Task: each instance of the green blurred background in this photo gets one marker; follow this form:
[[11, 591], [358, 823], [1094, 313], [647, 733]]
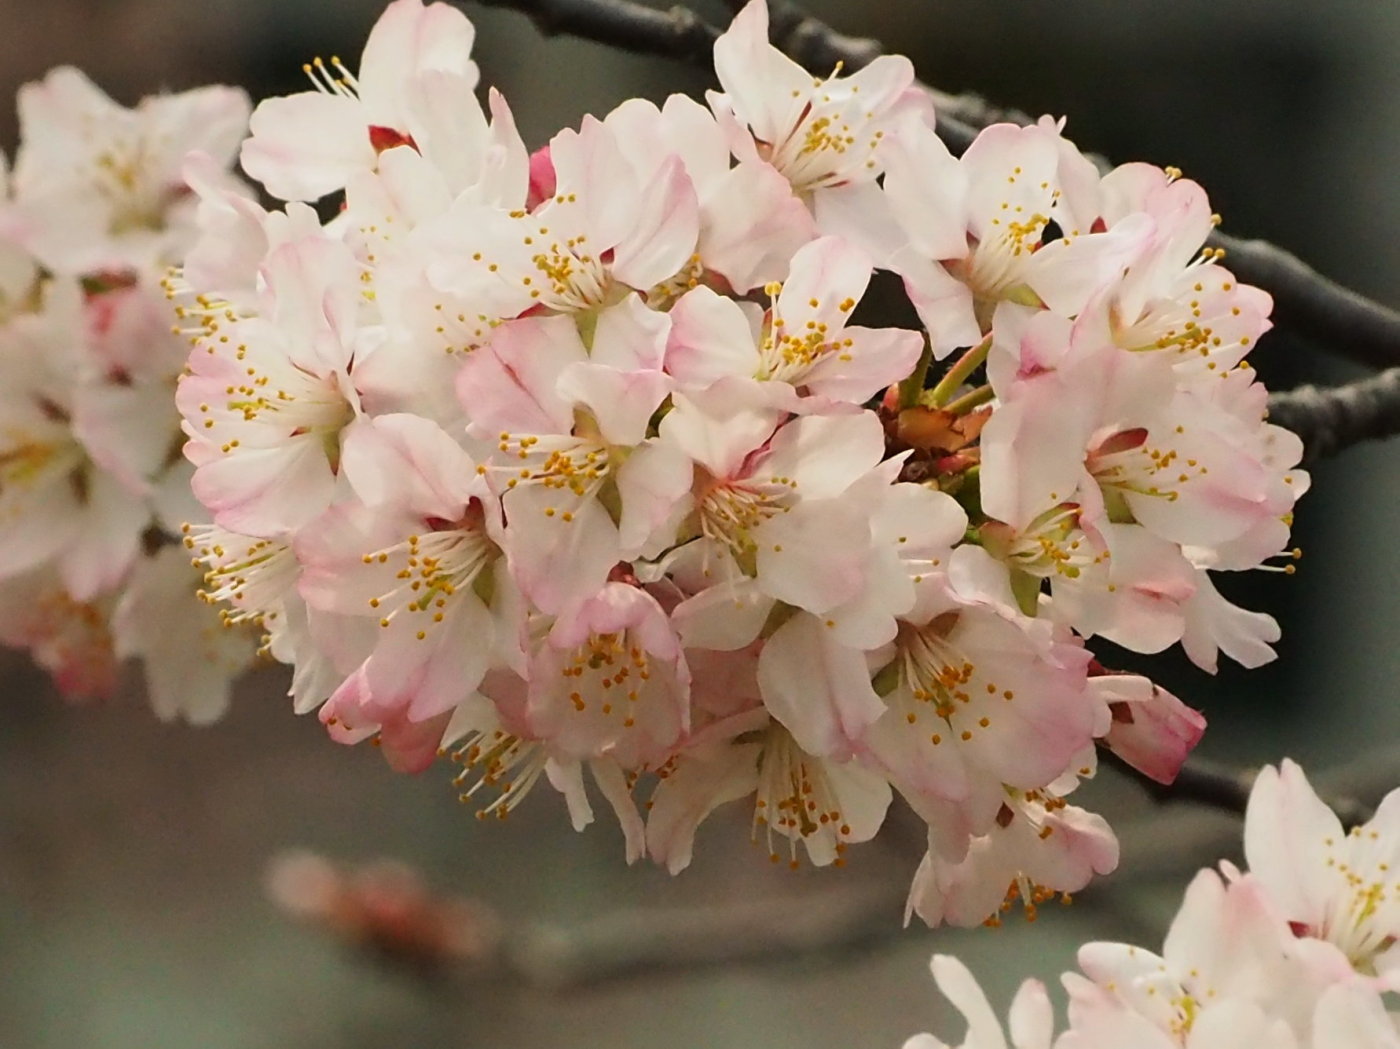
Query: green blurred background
[[131, 854]]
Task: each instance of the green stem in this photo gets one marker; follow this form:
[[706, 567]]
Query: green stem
[[970, 400], [965, 365], [912, 387]]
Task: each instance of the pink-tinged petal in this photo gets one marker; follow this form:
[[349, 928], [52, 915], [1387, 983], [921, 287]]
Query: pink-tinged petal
[[888, 84], [921, 522], [410, 462], [1286, 829], [1080, 846], [421, 670], [711, 337], [212, 119], [312, 285], [1011, 165], [664, 232], [233, 241], [815, 555], [819, 690], [543, 181], [717, 429], [631, 337], [411, 746], [830, 272], [1352, 1016], [73, 645], [701, 781], [724, 617], [63, 100], [1147, 583], [589, 164], [622, 402], [932, 776], [566, 777], [751, 223], [331, 549], [1215, 625], [1156, 736], [445, 125], [974, 575], [767, 89], [1222, 932], [557, 562], [506, 174], [1032, 458], [613, 785], [1178, 206], [875, 359], [125, 430], [637, 128], [825, 454], [267, 491], [860, 214], [406, 191], [960, 987], [190, 658], [654, 484], [690, 132], [1066, 273], [108, 538], [510, 385], [1031, 1020], [927, 190], [411, 38], [303, 146], [944, 303], [584, 695]]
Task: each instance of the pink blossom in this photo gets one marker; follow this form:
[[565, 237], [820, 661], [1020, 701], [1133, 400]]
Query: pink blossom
[[99, 187], [307, 145], [1329, 883]]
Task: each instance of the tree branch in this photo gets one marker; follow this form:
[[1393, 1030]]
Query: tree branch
[[1329, 420], [1220, 786], [675, 33], [1338, 319], [654, 941]]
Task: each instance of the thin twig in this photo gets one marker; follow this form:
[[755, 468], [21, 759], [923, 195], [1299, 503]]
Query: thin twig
[[1329, 420], [1344, 322]]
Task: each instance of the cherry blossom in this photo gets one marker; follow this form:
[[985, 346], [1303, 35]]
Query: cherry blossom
[[582, 463], [98, 187], [1329, 883], [307, 145]]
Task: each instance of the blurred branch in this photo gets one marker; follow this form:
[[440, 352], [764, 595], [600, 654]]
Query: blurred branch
[[1329, 420], [675, 33], [1226, 787], [1305, 302], [651, 941]]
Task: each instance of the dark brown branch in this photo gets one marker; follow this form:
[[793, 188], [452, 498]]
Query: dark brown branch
[[1305, 302], [1219, 786], [1319, 309], [675, 33], [1329, 420]]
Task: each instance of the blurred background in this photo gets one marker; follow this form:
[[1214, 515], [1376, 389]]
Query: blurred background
[[132, 854]]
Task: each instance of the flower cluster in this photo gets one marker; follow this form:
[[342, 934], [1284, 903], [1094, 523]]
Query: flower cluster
[[1296, 953], [580, 464], [93, 488]]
